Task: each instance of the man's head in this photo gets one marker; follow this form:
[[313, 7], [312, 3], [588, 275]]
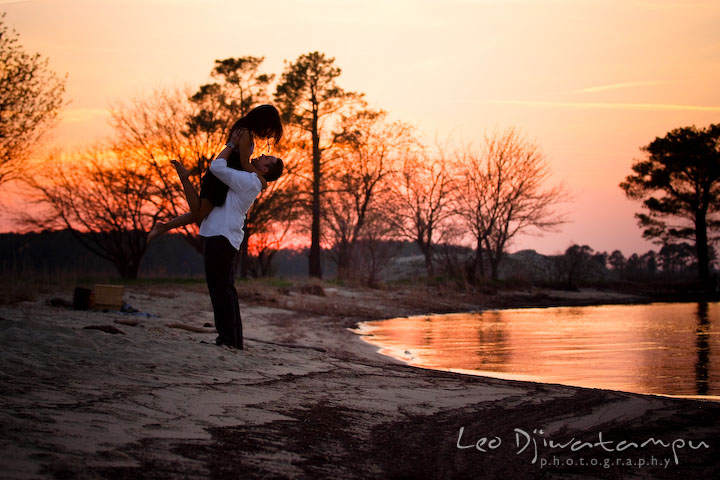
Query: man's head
[[271, 167]]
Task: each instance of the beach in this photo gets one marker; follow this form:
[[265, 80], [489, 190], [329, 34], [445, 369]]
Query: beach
[[93, 394]]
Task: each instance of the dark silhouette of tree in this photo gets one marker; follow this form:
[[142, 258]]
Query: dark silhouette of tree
[[420, 207], [617, 261], [240, 86], [374, 251], [309, 97], [502, 193], [149, 130], [30, 98], [107, 200], [679, 185], [265, 247], [369, 149], [641, 267], [677, 257], [577, 265]]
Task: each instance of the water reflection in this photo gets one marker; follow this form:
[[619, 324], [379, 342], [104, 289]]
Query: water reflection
[[703, 350], [659, 348]]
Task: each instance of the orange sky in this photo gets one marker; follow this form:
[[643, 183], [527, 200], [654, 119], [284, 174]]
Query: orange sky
[[590, 81]]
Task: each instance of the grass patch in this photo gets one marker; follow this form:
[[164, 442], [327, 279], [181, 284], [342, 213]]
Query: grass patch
[[17, 286], [276, 282], [140, 282]]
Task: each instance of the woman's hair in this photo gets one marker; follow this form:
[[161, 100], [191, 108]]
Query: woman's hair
[[263, 121]]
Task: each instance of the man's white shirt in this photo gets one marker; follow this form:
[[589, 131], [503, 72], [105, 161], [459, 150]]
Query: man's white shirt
[[228, 219]]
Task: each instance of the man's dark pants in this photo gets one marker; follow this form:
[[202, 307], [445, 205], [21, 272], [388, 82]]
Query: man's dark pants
[[219, 256]]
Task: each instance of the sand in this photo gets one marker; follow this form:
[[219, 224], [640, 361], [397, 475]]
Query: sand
[[153, 398]]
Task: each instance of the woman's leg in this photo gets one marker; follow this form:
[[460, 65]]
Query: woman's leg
[[191, 194], [180, 221], [206, 207], [199, 208]]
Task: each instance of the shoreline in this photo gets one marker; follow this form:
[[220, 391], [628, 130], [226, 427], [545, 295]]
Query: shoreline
[[307, 399]]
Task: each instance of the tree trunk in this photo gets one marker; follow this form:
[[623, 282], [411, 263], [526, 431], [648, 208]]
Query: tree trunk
[[343, 261], [315, 262], [426, 250], [494, 257], [474, 270], [495, 266], [429, 267], [479, 264], [127, 269], [701, 246]]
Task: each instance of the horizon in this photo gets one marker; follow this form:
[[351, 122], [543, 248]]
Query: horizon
[[590, 83]]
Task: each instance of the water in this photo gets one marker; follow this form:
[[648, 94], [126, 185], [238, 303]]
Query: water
[[662, 348]]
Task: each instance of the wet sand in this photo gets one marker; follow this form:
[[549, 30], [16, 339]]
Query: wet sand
[[308, 399]]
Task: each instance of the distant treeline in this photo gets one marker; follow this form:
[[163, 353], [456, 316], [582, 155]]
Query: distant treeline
[[60, 252]]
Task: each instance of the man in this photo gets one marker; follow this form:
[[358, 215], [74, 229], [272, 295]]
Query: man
[[222, 231]]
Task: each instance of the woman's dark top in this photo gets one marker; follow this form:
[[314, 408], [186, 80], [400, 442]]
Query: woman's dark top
[[212, 188]]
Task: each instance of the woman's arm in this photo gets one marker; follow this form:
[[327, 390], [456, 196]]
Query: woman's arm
[[242, 139]]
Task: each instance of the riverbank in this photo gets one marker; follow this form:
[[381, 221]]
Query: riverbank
[[106, 395]]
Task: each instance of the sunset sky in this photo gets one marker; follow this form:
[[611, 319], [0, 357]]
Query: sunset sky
[[590, 81]]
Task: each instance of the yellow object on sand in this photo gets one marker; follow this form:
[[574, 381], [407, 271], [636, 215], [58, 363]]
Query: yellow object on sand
[[108, 297]]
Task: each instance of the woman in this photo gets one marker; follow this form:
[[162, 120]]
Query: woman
[[262, 122]]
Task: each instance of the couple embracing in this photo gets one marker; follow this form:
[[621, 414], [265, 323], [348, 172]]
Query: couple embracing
[[228, 190]]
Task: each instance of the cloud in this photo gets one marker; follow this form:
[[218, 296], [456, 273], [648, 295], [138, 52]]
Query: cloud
[[616, 86], [607, 105], [679, 5]]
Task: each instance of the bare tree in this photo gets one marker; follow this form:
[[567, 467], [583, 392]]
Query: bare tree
[[373, 251], [420, 208], [30, 98], [369, 150], [106, 199], [502, 193], [266, 244], [149, 130]]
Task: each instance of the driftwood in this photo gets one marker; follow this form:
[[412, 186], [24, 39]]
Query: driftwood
[[105, 328], [190, 328]]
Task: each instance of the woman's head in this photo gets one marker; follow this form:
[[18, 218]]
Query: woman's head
[[263, 121]]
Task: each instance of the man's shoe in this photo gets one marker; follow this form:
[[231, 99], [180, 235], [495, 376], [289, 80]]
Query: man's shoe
[[220, 342]]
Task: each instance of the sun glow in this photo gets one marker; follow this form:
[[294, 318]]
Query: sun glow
[[591, 82]]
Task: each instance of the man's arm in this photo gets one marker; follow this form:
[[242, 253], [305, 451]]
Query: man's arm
[[235, 179]]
